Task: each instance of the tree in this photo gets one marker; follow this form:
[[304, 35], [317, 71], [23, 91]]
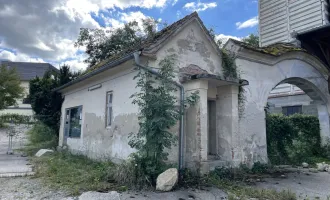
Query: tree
[[44, 101], [102, 44], [10, 87], [252, 40]]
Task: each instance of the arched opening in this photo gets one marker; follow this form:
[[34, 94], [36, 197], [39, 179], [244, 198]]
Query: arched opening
[[301, 135]]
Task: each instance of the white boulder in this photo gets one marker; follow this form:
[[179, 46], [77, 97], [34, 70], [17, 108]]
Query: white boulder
[[305, 165], [42, 152], [322, 166], [167, 180]]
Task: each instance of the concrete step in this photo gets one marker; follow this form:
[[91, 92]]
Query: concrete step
[[16, 174]]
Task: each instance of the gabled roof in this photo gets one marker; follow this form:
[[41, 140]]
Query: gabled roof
[[148, 47], [276, 49], [29, 70]]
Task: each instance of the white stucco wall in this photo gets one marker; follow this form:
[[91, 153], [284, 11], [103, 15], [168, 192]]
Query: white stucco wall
[[192, 47], [98, 141], [263, 74]]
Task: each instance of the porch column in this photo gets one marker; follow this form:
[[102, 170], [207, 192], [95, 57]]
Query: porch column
[[196, 126], [227, 123]]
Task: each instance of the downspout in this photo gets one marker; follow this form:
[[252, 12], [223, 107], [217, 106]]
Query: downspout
[[181, 134]]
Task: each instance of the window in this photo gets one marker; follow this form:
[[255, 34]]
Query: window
[[109, 109], [291, 110], [73, 119], [26, 101]]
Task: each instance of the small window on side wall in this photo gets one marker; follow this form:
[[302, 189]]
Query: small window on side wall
[[109, 109], [291, 110]]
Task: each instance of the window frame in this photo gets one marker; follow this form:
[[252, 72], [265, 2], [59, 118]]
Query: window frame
[[286, 113], [108, 109], [67, 118]]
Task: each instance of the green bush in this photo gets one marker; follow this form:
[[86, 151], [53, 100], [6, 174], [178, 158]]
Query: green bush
[[293, 139], [16, 119], [40, 137]]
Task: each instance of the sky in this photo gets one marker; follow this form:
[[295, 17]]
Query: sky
[[46, 30]]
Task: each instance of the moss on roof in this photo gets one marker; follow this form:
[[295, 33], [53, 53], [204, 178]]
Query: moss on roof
[[276, 49]]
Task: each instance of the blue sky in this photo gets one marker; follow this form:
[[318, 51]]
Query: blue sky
[[46, 32]]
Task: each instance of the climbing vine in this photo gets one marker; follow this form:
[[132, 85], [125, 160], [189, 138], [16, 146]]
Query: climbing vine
[[159, 113], [230, 70]]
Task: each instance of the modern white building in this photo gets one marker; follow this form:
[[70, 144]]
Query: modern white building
[[26, 71], [281, 20]]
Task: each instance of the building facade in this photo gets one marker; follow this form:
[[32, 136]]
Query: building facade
[[26, 72], [282, 20], [98, 115]]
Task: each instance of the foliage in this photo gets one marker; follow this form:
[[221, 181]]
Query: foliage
[[230, 70], [40, 136], [45, 102], [293, 139], [74, 173], [252, 40], [102, 44], [16, 119], [10, 87], [158, 114], [232, 181]]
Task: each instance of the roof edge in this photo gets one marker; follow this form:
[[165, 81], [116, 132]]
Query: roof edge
[[97, 71]]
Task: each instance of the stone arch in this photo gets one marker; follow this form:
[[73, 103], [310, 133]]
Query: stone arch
[[297, 68]]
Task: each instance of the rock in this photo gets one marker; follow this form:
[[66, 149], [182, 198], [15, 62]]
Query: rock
[[322, 166], [305, 165], [42, 152], [167, 180], [99, 196], [313, 170]]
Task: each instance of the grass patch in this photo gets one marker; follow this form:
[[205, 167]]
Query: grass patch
[[74, 173], [239, 191], [236, 182], [40, 136]]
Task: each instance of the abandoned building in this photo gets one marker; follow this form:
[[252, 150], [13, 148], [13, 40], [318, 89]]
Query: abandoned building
[[98, 114]]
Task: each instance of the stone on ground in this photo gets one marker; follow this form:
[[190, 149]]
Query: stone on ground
[[322, 166], [305, 165], [167, 180], [42, 152], [99, 196]]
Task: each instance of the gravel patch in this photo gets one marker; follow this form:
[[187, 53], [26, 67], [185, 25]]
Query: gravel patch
[[25, 188]]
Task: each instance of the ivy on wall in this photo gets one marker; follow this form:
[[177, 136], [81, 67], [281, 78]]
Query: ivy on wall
[[230, 71]]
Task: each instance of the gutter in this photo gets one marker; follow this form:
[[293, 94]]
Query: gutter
[[97, 71], [181, 137]]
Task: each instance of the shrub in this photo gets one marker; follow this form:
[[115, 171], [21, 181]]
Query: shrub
[[40, 137], [293, 139], [16, 119]]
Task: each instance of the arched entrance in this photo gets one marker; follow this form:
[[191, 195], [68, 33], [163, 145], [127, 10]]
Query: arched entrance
[[264, 72]]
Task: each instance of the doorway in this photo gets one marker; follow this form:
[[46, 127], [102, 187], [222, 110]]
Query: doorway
[[212, 132]]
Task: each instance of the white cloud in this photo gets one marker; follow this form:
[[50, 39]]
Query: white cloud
[[225, 38], [254, 21], [7, 55], [49, 29], [198, 6]]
